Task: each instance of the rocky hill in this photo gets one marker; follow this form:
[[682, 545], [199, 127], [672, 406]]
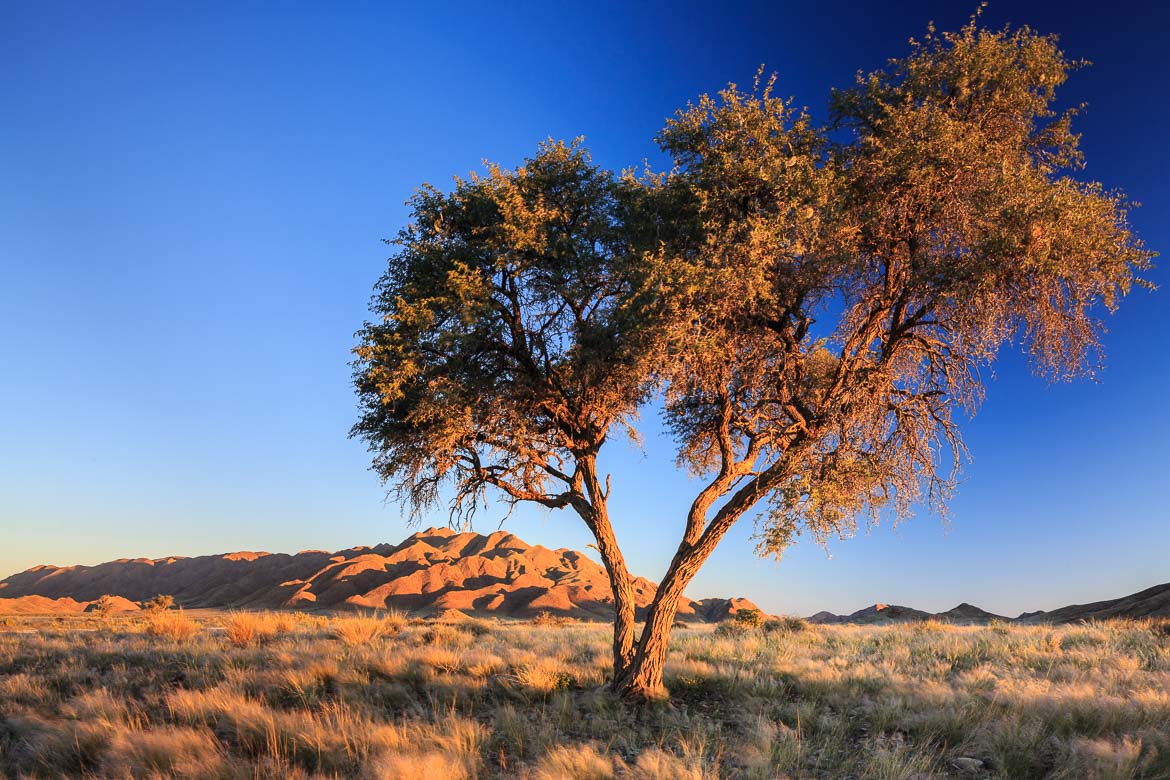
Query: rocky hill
[[877, 613], [430, 572], [1151, 602]]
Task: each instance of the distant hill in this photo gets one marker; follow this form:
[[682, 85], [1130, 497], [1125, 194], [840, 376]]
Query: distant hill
[[968, 613], [1150, 603], [430, 572], [877, 613]]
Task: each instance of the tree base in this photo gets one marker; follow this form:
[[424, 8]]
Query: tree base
[[638, 692]]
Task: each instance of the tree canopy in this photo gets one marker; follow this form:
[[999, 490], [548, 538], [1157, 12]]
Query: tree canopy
[[812, 304]]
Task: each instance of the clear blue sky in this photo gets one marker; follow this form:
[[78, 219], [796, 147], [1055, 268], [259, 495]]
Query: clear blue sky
[[192, 198]]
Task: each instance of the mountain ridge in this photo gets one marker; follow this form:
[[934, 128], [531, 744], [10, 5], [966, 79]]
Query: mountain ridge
[[431, 571]]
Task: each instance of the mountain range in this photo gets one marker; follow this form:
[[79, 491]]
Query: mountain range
[[430, 572], [437, 571]]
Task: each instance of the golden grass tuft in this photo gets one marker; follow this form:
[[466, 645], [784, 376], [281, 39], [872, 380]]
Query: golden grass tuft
[[543, 676], [170, 625], [357, 630], [243, 629], [580, 762]]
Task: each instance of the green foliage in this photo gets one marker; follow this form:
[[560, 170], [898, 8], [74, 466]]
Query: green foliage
[[787, 624], [509, 333], [749, 618]]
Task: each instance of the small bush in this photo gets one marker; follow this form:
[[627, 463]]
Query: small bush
[[282, 623], [543, 677], [733, 629], [105, 606], [474, 627], [749, 618], [584, 762], [159, 603], [547, 618], [788, 624]]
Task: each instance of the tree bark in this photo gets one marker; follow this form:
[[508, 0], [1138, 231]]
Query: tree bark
[[643, 676], [621, 583]]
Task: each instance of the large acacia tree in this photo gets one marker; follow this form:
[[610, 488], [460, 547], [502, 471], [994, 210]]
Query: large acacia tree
[[811, 305]]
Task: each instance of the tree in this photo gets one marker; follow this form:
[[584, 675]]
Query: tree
[[160, 603], [105, 605], [812, 305]]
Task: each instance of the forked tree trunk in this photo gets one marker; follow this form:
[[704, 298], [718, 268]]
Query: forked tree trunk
[[641, 680], [642, 677]]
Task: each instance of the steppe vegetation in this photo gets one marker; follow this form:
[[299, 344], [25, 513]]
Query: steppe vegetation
[[211, 694]]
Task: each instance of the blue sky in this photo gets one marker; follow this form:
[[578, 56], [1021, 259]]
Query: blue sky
[[192, 199]]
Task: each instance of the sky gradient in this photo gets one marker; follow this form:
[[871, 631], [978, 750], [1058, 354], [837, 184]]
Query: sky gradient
[[192, 202]]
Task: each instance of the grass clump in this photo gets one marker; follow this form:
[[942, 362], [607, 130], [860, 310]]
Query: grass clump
[[170, 625], [243, 629], [358, 630]]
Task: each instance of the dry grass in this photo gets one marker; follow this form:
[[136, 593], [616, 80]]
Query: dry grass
[[366, 629], [172, 625], [163, 695], [247, 628]]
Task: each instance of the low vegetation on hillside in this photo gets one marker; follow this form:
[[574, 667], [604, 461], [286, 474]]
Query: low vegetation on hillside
[[277, 695]]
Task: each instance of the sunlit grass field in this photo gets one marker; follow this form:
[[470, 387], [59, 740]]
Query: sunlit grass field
[[288, 696]]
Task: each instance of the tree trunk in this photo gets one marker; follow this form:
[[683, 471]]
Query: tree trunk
[[596, 517], [642, 678], [623, 624]]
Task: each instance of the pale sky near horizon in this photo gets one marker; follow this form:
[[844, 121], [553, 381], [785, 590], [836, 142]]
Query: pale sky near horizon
[[191, 205]]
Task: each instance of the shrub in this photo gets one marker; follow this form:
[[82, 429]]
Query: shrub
[[543, 677], [446, 635], [282, 624], [749, 618], [474, 627], [159, 603], [733, 628], [547, 618], [105, 606], [788, 624], [584, 762]]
